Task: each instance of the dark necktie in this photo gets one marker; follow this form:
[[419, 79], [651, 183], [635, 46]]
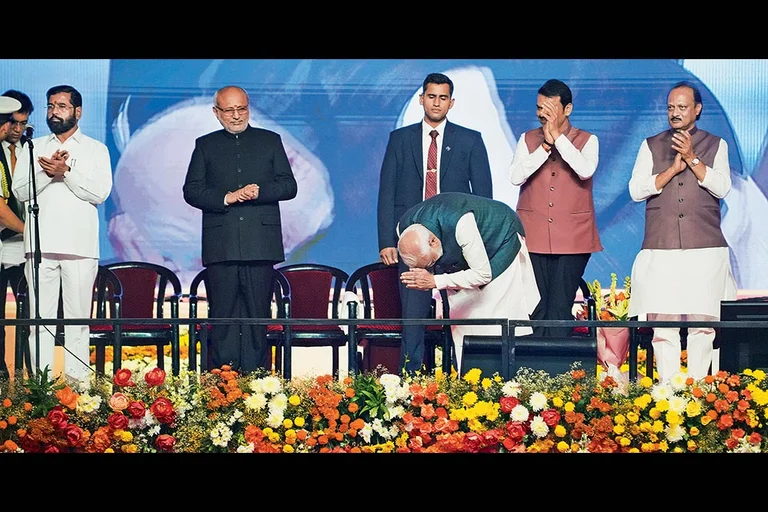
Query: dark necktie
[[430, 188], [12, 149]]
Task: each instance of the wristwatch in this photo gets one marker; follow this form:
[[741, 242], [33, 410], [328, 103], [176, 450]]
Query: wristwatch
[[695, 162]]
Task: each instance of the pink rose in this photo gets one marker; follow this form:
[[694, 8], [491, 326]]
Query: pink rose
[[74, 435], [57, 417], [118, 402], [551, 417]]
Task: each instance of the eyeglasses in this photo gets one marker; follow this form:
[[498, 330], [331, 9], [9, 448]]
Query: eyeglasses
[[229, 112], [23, 124], [61, 107]]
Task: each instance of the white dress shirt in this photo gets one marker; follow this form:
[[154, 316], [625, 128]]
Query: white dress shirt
[[68, 215]]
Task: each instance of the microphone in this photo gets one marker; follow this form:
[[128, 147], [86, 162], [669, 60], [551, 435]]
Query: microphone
[[27, 133]]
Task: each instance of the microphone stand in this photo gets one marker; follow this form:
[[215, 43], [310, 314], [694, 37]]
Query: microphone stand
[[34, 209]]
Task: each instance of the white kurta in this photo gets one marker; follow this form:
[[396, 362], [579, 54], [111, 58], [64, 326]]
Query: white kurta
[[472, 294], [681, 281]]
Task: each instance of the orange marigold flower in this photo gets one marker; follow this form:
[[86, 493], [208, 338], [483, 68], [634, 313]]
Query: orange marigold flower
[[3, 424], [697, 392], [723, 387], [215, 371], [301, 435], [355, 449], [322, 439], [225, 367], [27, 406], [345, 418], [7, 403], [709, 379], [712, 414], [12, 420], [10, 446], [339, 436], [21, 432], [711, 397], [353, 407], [348, 381], [349, 392], [689, 381]]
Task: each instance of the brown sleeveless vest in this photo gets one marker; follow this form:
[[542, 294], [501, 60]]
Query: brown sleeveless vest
[[684, 215], [556, 207]]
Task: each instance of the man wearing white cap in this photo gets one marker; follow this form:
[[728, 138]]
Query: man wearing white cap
[[7, 107]]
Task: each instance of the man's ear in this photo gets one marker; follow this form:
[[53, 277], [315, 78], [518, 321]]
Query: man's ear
[[568, 109]]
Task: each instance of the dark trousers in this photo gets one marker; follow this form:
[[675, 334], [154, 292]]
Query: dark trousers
[[9, 276], [415, 304], [558, 277], [240, 290]]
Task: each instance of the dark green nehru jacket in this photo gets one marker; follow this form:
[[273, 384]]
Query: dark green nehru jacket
[[497, 222]]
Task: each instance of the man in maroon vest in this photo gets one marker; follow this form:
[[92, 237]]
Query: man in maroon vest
[[683, 270], [553, 165]]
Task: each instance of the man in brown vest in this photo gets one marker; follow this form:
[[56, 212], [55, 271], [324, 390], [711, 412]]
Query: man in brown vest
[[683, 270], [553, 165]]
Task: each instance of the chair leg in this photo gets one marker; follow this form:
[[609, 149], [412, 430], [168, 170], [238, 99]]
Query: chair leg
[[160, 356], [335, 361]]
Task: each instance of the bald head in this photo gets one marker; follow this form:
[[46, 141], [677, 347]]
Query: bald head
[[419, 247]]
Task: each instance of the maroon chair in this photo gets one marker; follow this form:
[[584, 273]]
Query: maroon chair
[[281, 297], [316, 294], [379, 287], [147, 288]]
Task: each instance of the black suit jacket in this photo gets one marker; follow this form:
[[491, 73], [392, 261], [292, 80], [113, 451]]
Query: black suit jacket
[[222, 162], [464, 167]]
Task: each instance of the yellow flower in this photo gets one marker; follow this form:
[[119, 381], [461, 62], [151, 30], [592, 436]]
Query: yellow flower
[[569, 407], [287, 423], [694, 431], [620, 419], [294, 400], [693, 408], [287, 448], [557, 401], [485, 383], [646, 382], [562, 446], [126, 437], [299, 421], [560, 431], [618, 429], [469, 398], [473, 376]]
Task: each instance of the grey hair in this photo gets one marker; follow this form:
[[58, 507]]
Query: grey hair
[[421, 237]]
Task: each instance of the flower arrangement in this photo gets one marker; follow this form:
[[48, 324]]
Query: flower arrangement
[[224, 411], [613, 305]]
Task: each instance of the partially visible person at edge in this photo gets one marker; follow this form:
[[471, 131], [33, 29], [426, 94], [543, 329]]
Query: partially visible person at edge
[[408, 176], [476, 248], [73, 175], [237, 176], [683, 270], [9, 107], [554, 165]]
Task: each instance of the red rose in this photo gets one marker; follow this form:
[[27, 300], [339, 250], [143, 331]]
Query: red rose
[[551, 417], [74, 435], [155, 377], [515, 430], [165, 443], [136, 410], [162, 409], [508, 403], [52, 449], [117, 420], [57, 417], [122, 377]]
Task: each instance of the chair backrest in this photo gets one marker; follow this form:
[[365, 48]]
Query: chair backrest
[[312, 285], [281, 294], [382, 279], [146, 289]]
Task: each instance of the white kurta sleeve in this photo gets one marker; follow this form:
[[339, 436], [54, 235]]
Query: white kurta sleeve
[[473, 249]]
